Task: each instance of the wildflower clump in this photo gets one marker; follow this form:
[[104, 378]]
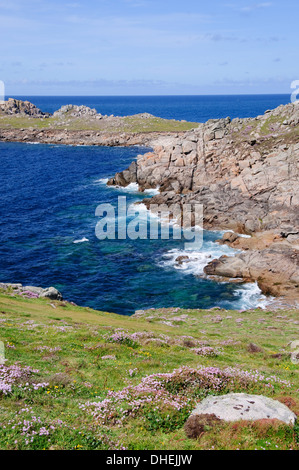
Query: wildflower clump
[[168, 398], [206, 351], [123, 337], [17, 376]]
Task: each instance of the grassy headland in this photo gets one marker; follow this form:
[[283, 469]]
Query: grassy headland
[[127, 124]]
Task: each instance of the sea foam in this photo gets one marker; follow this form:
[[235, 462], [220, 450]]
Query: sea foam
[[83, 240]]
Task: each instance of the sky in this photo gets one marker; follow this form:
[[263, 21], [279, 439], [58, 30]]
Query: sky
[[148, 47]]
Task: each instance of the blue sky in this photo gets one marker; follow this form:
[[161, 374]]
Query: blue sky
[[135, 47]]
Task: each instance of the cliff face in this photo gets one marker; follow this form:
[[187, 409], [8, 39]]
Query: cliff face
[[245, 172]]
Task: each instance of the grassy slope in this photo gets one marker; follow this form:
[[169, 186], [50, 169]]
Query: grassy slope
[[82, 336]]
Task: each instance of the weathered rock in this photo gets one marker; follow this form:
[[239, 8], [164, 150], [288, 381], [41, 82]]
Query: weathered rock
[[76, 111], [13, 106], [241, 406], [275, 269], [49, 292], [230, 237], [238, 184], [4, 285], [225, 266], [75, 137]]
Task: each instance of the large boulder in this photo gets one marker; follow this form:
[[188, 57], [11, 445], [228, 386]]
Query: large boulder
[[232, 267], [230, 237], [49, 292], [241, 406]]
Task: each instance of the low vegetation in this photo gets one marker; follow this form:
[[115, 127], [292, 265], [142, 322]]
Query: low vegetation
[[75, 378], [128, 124]]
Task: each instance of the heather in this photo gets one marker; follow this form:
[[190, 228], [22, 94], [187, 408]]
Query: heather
[[75, 378]]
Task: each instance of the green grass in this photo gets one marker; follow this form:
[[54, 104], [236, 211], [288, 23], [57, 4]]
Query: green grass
[[129, 124], [23, 122], [74, 340], [267, 127], [155, 124]]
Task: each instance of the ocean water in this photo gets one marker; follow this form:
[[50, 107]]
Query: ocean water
[[189, 108], [48, 198]]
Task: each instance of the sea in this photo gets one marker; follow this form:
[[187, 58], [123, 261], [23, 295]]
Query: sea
[[48, 200]]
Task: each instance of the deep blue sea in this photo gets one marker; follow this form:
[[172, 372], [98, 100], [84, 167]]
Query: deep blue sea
[[48, 198], [190, 108]]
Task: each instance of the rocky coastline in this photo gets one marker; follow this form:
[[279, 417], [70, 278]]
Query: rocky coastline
[[78, 137], [245, 173]]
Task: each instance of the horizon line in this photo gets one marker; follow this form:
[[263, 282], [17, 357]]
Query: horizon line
[[142, 95]]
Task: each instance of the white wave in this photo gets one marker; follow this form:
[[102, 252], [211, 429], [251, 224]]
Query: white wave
[[144, 212], [102, 181], [196, 260], [131, 188], [247, 295], [251, 297], [82, 240], [222, 232], [152, 191], [134, 188]]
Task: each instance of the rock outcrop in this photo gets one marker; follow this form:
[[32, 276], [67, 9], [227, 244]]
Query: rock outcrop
[[276, 269], [245, 173], [23, 108], [77, 111], [32, 291]]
